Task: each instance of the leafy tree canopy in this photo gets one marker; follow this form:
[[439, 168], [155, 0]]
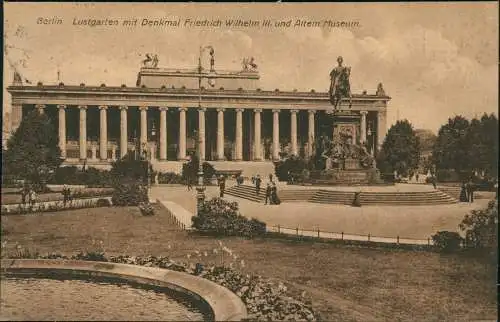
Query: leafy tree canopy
[[400, 151], [33, 151]]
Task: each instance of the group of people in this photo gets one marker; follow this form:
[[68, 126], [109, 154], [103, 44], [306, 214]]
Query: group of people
[[272, 192], [28, 196], [467, 192], [66, 192]]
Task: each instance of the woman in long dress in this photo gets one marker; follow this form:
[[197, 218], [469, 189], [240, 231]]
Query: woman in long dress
[[463, 193]]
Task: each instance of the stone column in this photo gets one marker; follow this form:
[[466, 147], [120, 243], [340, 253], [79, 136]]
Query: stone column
[[83, 132], [182, 133], [201, 132], [220, 133], [16, 115], [123, 131], [103, 134], [239, 134], [310, 131], [40, 108], [163, 133], [293, 132], [257, 143], [62, 130], [381, 127], [144, 129], [276, 134], [362, 138]]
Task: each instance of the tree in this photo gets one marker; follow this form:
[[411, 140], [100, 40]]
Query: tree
[[33, 151], [400, 151], [465, 146], [452, 148], [484, 144], [190, 170]]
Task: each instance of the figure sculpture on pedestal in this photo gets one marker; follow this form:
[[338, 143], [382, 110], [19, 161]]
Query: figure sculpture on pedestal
[[340, 86]]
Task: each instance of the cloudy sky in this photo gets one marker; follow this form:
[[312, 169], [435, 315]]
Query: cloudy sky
[[435, 60]]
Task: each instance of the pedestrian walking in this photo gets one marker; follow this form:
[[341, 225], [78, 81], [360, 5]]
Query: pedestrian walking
[[470, 191], [33, 197], [275, 200], [258, 181], [24, 193], [416, 177], [463, 193], [268, 193]]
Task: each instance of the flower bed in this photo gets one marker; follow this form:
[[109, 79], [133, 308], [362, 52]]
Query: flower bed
[[265, 300], [53, 206]]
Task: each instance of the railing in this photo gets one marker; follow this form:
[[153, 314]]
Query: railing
[[299, 232]]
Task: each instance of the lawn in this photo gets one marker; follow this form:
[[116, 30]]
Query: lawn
[[345, 283]]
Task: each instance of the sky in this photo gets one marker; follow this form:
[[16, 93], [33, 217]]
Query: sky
[[435, 60]]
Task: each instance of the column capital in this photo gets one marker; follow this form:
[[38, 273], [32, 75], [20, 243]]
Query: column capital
[[312, 111], [61, 106], [183, 109], [276, 110], [82, 107], [257, 110], [163, 108], [143, 108], [363, 112], [202, 109], [239, 109], [295, 111], [103, 107], [123, 107], [221, 109]]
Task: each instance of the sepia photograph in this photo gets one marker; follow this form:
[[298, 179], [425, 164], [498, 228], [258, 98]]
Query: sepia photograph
[[249, 161]]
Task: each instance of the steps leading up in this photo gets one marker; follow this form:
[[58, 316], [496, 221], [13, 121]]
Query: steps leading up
[[435, 197]]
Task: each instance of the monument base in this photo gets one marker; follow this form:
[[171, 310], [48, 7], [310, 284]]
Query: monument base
[[344, 177]]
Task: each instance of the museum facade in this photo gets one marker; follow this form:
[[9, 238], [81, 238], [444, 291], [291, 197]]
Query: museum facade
[[171, 111]]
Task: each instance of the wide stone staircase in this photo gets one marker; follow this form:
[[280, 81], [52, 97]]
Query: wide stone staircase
[[451, 190], [324, 196]]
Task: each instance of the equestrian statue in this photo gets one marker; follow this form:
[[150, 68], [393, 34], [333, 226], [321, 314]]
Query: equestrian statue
[[340, 86]]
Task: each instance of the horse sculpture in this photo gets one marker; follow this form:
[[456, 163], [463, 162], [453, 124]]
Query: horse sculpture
[[340, 86]]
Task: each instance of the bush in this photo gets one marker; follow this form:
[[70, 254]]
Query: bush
[[129, 167], [129, 192], [447, 175], [481, 227], [169, 178], [295, 165], [103, 203], [447, 241], [220, 217], [190, 170], [146, 209]]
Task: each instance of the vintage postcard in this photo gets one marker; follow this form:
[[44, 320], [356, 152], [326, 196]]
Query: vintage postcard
[[254, 162]]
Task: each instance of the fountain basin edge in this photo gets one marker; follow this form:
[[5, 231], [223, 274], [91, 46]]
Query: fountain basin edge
[[224, 304]]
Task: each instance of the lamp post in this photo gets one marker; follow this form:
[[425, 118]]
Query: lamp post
[[147, 157], [200, 196]]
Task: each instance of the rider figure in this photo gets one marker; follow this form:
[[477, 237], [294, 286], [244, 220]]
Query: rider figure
[[339, 86]]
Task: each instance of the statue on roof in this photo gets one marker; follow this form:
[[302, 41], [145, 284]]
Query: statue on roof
[[17, 78], [340, 86], [249, 64], [151, 61], [380, 90]]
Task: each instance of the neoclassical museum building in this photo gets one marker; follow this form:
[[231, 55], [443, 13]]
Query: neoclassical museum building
[[169, 112]]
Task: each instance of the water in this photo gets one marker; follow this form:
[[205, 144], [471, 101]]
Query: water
[[49, 299]]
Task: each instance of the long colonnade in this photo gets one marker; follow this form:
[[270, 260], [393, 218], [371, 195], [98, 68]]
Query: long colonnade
[[161, 148]]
